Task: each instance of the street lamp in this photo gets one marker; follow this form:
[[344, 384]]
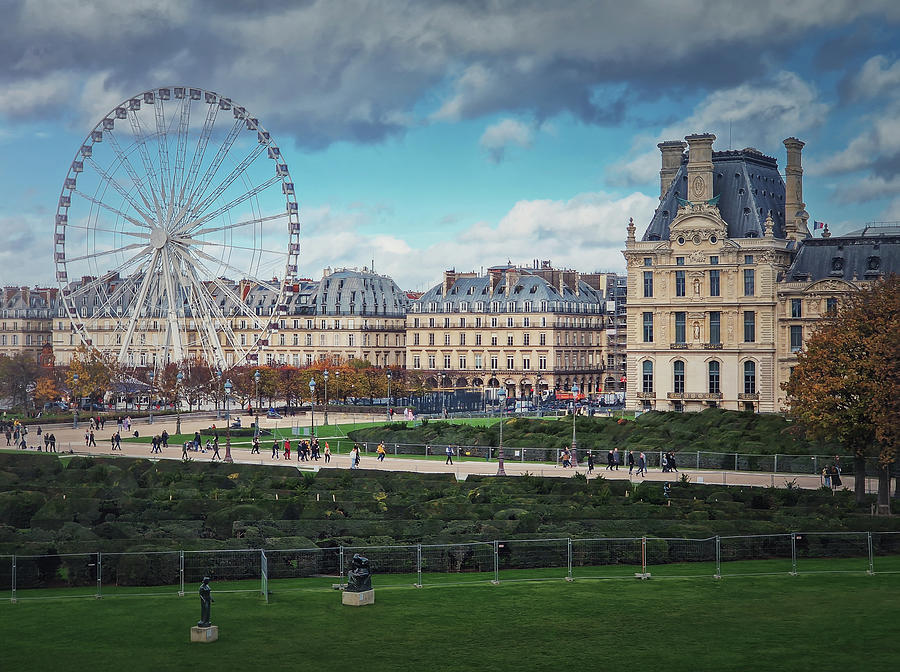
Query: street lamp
[[501, 395], [151, 397], [444, 394], [219, 396], [77, 401], [312, 408], [256, 385], [325, 377], [228, 388], [389, 395], [177, 406], [575, 391]]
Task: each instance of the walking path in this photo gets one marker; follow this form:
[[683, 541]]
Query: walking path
[[68, 438]]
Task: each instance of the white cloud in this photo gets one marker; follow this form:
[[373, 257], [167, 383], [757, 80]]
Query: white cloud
[[871, 187], [47, 94], [878, 142], [498, 137], [877, 76]]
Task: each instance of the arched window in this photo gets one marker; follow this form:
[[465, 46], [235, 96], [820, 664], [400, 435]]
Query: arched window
[[714, 377], [648, 376], [749, 377], [678, 376]]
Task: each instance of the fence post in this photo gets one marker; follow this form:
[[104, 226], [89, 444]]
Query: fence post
[[341, 560], [264, 574], [775, 470], [181, 573], [793, 554], [698, 459], [419, 564], [735, 461], [718, 558], [13, 599], [815, 464], [871, 555], [496, 580], [644, 557], [99, 575], [569, 576]]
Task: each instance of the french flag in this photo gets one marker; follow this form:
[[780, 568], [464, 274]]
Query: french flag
[[818, 225]]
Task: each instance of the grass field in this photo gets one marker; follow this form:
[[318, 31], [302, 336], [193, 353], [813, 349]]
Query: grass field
[[816, 622]]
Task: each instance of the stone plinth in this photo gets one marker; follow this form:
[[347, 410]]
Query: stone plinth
[[205, 635], [358, 599]]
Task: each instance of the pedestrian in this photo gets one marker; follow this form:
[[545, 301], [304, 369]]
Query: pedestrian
[[642, 465], [354, 457], [664, 462], [356, 460], [380, 451], [118, 438], [184, 453], [87, 437], [53, 442], [287, 449], [609, 460], [119, 423], [836, 476], [590, 461], [617, 457], [165, 438], [275, 450], [566, 458], [630, 462], [449, 451], [216, 450], [672, 465], [301, 451], [8, 436], [327, 453], [826, 474], [47, 442], [93, 442], [197, 440], [255, 448]]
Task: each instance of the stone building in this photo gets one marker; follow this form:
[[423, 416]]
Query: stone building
[[530, 330], [25, 322]]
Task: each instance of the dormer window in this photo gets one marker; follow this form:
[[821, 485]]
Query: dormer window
[[873, 263], [837, 264]]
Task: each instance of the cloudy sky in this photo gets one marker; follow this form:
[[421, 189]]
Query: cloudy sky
[[426, 136]]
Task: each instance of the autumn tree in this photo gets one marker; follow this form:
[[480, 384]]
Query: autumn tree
[[17, 375], [95, 374], [45, 390], [845, 384]]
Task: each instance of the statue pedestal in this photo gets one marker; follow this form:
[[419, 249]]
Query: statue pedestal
[[209, 634], [358, 599]]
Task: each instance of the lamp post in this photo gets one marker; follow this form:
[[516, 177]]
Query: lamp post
[[575, 391], [228, 388], [388, 411], [150, 405], [177, 405], [501, 395], [77, 401], [219, 395], [325, 377], [256, 385], [444, 394], [312, 408]]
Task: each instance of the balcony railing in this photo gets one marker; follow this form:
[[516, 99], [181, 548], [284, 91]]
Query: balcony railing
[[694, 395]]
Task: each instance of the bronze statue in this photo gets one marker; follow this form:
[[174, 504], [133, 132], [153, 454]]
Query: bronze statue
[[205, 601], [359, 578]]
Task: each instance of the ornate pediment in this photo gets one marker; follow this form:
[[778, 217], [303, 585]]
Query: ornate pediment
[[832, 285], [698, 222]]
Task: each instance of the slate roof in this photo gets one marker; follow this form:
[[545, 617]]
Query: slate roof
[[748, 185], [350, 292], [866, 254]]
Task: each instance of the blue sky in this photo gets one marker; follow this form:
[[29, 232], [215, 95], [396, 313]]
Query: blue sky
[[428, 136]]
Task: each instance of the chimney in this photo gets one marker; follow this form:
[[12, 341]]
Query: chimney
[[672, 151], [700, 167], [449, 279], [795, 214]]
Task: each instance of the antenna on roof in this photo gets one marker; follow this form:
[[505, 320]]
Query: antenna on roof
[[729, 136]]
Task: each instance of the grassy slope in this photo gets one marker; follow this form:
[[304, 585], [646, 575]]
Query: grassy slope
[[801, 623]]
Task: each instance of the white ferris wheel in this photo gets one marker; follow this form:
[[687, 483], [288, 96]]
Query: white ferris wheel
[[177, 206]]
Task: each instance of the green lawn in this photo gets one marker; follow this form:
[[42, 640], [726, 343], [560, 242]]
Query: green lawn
[[815, 622]]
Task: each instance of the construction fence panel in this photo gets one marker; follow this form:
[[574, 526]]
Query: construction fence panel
[[605, 558], [669, 557], [390, 565], [457, 563], [231, 570], [303, 568], [886, 552], [141, 573], [63, 575], [550, 557], [832, 551], [7, 564], [757, 554]]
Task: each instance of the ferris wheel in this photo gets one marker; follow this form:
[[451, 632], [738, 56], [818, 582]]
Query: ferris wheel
[[177, 232]]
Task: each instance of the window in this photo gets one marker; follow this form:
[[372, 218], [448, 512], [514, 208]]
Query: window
[[509, 339], [715, 334], [416, 338], [648, 261], [796, 308], [446, 361], [542, 362], [679, 326], [447, 339], [831, 306], [431, 362], [678, 376], [478, 362], [309, 340], [679, 282], [796, 338], [509, 322], [679, 261], [462, 362], [462, 339], [477, 339], [494, 362], [714, 377], [542, 339], [647, 378], [749, 281], [431, 339], [526, 363], [749, 377], [714, 283], [748, 258], [749, 326], [648, 327], [510, 362], [648, 283], [417, 362], [713, 260]]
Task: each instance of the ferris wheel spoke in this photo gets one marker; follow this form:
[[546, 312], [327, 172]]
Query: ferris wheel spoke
[[206, 304], [153, 182], [96, 282], [172, 300], [129, 168], [119, 293], [184, 121], [187, 186], [115, 211], [227, 182], [162, 147], [142, 295], [228, 206], [133, 234], [239, 304], [119, 188], [246, 222], [214, 165], [192, 241], [242, 275], [132, 246]]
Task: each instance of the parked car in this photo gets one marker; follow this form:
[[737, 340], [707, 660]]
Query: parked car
[[55, 406]]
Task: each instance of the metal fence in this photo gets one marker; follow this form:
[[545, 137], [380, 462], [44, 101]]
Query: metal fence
[[266, 571]]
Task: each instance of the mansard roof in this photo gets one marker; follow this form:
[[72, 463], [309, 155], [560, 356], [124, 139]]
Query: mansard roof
[[863, 255], [748, 185]]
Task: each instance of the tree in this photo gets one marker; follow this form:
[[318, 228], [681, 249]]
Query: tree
[[845, 384], [45, 390], [17, 376], [95, 373]]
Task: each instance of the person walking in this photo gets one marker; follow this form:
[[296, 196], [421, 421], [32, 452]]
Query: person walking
[[609, 460], [630, 462], [92, 442], [566, 459], [184, 453], [380, 451], [327, 453], [165, 438], [672, 465], [197, 440], [449, 451], [354, 457], [617, 457], [590, 462], [255, 448], [275, 450], [642, 465], [215, 447], [287, 449]]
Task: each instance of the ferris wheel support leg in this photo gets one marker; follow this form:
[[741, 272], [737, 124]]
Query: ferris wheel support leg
[[142, 295]]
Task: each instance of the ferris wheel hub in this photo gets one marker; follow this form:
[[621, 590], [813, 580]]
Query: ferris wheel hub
[[159, 237]]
